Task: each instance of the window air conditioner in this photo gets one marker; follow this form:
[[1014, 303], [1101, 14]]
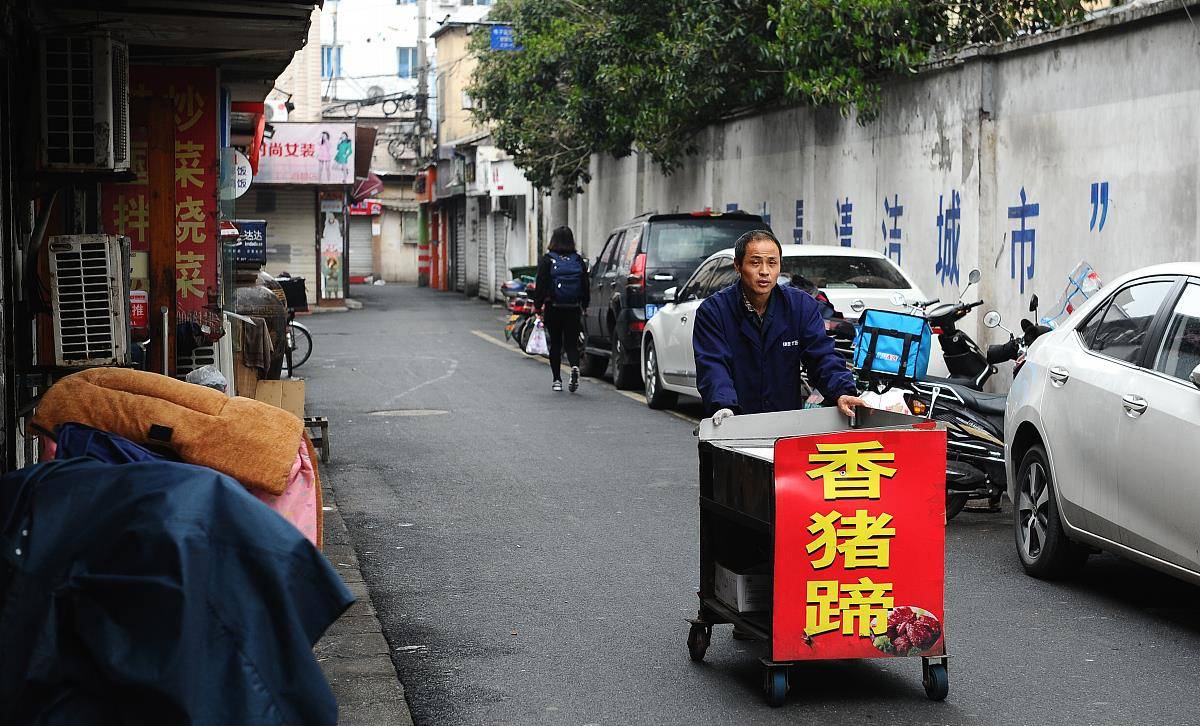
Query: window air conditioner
[[89, 291], [85, 104]]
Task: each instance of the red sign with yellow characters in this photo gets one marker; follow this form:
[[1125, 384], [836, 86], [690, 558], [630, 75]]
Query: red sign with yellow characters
[[125, 207], [860, 545]]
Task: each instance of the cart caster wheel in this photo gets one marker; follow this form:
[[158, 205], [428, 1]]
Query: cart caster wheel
[[936, 681], [698, 638], [776, 685]]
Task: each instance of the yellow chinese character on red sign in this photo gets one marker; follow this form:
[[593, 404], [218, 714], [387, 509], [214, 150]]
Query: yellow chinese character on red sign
[[189, 221], [132, 217], [187, 164], [863, 540], [866, 605], [189, 106], [188, 281], [859, 608], [137, 162], [851, 470]]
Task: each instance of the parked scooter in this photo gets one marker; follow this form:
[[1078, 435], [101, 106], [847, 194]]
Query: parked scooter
[[974, 419]]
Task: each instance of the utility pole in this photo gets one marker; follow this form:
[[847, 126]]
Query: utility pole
[[422, 80]]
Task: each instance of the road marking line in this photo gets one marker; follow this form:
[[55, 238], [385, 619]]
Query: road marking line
[[505, 345], [635, 396], [627, 394]]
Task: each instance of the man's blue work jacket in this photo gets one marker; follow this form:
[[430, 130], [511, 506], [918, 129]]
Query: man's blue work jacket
[[742, 368]]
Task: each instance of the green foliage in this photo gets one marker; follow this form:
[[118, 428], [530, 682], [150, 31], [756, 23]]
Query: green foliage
[[607, 76]]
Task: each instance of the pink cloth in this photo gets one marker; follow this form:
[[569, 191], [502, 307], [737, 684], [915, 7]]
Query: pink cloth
[[298, 503]]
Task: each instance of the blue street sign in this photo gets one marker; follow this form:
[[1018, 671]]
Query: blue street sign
[[502, 38], [252, 242]]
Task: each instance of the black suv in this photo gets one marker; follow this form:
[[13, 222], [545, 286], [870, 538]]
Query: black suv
[[640, 260]]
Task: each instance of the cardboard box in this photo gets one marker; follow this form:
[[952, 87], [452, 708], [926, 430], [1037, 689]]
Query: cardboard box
[[288, 395], [745, 592]]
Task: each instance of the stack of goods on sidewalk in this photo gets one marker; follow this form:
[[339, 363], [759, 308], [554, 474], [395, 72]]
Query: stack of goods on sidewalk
[[163, 566]]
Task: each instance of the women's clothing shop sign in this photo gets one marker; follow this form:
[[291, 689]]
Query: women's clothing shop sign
[[307, 153]]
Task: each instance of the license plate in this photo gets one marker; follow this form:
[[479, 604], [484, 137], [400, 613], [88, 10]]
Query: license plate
[[650, 311]]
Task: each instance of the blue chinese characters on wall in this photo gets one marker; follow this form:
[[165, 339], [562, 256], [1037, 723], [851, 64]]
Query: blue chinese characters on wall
[[842, 228], [1099, 206], [798, 229], [1024, 238], [892, 236], [949, 232]]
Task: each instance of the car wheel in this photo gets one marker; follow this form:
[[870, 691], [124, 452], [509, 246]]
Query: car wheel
[[1042, 544], [625, 377], [954, 505], [593, 366], [656, 395]]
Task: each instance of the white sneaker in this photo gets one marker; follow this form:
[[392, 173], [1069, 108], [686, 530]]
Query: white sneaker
[[556, 386], [574, 385]]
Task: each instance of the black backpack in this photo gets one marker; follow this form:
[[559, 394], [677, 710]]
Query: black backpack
[[566, 278]]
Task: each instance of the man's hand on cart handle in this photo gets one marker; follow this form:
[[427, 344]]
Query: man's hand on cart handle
[[720, 416], [847, 404]]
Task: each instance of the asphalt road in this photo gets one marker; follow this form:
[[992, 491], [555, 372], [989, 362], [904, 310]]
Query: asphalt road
[[532, 556]]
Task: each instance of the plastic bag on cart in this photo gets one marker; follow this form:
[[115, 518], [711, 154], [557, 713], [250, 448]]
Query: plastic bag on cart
[[890, 400], [537, 341]]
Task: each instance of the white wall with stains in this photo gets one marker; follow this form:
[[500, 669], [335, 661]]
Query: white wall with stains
[[1113, 104]]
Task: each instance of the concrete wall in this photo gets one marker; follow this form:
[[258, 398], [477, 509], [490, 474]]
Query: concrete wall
[[1114, 103]]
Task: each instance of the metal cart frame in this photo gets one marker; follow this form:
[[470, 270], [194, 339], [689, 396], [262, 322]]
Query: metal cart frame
[[737, 522]]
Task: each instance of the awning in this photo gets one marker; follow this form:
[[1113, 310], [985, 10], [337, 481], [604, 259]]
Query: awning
[[366, 188]]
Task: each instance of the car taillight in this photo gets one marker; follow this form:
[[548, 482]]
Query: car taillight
[[637, 272], [637, 326]]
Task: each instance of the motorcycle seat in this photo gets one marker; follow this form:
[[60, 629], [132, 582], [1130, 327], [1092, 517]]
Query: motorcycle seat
[[956, 381], [988, 404]]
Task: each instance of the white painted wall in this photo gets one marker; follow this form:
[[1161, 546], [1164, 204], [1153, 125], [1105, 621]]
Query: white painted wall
[[1115, 101]]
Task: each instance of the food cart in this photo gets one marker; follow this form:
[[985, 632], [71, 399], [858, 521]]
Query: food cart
[[826, 541]]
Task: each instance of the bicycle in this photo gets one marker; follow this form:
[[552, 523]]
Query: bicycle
[[299, 342]]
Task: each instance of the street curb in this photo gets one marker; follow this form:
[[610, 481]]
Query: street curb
[[353, 653]]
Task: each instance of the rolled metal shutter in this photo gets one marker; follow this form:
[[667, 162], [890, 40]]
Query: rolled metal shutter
[[460, 245], [362, 247], [500, 240], [291, 230], [479, 229]]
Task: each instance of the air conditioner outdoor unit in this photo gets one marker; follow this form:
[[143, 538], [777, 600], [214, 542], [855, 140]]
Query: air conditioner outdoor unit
[[89, 289], [85, 104]]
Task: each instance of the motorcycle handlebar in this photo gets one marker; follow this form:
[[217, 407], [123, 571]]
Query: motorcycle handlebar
[[1003, 352]]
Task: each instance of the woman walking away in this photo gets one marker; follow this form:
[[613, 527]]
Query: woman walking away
[[562, 295]]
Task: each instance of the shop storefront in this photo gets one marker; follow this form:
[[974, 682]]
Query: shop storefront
[[305, 173]]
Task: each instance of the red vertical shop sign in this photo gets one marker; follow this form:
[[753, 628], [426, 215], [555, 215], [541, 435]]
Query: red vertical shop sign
[[193, 94], [859, 545]]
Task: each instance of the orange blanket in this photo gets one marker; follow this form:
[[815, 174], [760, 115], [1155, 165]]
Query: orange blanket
[[251, 441]]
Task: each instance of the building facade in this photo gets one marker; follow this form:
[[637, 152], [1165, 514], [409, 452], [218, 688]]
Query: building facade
[[481, 219]]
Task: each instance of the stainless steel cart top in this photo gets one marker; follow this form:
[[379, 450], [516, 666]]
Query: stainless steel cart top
[[755, 434]]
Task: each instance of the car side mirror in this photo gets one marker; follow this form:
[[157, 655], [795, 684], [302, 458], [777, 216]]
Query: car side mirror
[[1195, 376], [670, 293]]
